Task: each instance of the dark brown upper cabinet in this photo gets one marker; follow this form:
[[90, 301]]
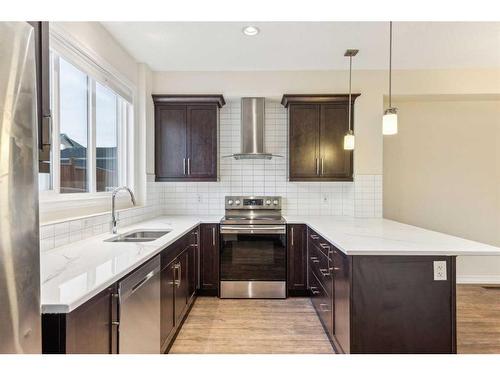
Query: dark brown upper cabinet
[[41, 38], [317, 125], [186, 129]]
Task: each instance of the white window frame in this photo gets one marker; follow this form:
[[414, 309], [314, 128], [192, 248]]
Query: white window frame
[[97, 71]]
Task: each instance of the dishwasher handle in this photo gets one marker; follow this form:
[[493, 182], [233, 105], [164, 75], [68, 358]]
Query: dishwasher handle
[[143, 281], [139, 278]]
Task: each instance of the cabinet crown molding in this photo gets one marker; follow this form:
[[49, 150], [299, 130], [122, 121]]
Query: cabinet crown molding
[[189, 99], [316, 98]]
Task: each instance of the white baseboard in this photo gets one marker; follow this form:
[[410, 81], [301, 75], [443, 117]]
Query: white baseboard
[[478, 279]]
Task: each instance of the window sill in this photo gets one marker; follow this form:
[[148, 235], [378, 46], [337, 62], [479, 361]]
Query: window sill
[[62, 207]]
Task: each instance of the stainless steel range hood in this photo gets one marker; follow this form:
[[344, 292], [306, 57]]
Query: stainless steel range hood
[[252, 130]]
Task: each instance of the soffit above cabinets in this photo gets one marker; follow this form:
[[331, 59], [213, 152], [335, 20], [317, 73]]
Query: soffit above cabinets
[[221, 46]]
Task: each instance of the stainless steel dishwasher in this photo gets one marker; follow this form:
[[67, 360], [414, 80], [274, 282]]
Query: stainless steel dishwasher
[[139, 314]]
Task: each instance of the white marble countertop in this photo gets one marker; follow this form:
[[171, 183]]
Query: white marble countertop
[[366, 236], [74, 273]]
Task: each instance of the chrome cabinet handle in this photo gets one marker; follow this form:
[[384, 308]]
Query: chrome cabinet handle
[[189, 166], [177, 274], [322, 166], [213, 236], [324, 272], [184, 165], [314, 237], [115, 323], [314, 290], [314, 259], [292, 236], [324, 245], [317, 166]]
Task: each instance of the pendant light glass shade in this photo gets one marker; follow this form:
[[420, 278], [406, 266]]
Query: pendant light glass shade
[[390, 119], [390, 122], [349, 141]]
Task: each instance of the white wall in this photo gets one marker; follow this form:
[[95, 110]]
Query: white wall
[[442, 172], [372, 84], [96, 38]]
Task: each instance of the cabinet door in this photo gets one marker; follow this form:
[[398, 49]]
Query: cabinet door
[[192, 270], [88, 328], [304, 141], [297, 258], [167, 321], [202, 142], [181, 283], [171, 142], [335, 162], [342, 300], [209, 242]]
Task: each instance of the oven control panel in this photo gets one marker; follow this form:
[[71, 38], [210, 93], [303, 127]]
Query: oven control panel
[[234, 202]]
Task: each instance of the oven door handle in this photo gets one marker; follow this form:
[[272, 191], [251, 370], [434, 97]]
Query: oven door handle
[[227, 229]]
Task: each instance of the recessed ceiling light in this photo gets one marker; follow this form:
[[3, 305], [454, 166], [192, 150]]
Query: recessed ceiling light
[[251, 30]]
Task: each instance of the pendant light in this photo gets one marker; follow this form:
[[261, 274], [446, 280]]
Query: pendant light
[[349, 137], [390, 119]]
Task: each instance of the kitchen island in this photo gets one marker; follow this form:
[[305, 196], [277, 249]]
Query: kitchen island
[[374, 282]]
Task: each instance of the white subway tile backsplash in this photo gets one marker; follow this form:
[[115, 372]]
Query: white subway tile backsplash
[[269, 177]]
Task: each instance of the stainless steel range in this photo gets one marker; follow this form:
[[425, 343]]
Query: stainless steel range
[[253, 248]]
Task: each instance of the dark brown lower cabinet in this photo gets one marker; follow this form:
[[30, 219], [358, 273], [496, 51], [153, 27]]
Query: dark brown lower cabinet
[[86, 330], [209, 259], [297, 259], [398, 307], [382, 304], [178, 287], [92, 328]]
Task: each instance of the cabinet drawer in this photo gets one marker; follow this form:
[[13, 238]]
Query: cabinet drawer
[[323, 304], [323, 245], [322, 267]]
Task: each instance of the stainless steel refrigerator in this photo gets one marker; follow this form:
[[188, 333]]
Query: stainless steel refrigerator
[[20, 323]]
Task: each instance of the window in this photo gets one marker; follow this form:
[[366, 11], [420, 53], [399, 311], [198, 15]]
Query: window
[[90, 122], [73, 128]]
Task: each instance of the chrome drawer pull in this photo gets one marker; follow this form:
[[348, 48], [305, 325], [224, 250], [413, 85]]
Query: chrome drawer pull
[[324, 245], [314, 237], [324, 272], [314, 259]]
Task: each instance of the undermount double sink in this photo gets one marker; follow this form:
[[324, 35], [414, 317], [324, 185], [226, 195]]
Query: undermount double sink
[[139, 235]]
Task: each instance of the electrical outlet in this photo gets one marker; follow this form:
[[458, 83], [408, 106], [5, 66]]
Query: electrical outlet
[[198, 196], [439, 270]]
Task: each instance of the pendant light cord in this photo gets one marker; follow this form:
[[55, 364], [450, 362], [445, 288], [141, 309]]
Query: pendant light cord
[[350, 78], [390, 64]]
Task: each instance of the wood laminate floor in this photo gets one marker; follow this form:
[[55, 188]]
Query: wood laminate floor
[[478, 319], [252, 327], [292, 326]]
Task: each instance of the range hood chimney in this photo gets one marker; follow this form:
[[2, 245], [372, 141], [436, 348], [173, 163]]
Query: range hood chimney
[[252, 130]]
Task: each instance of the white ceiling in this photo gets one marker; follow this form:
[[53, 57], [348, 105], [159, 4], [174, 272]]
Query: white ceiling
[[221, 46]]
